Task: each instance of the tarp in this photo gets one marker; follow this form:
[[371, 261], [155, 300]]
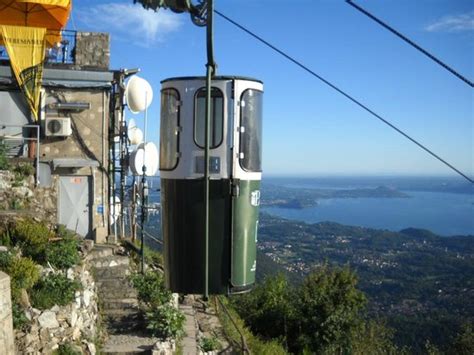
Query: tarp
[[26, 49], [50, 14]]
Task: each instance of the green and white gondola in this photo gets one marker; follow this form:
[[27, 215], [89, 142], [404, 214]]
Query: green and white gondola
[[235, 174]]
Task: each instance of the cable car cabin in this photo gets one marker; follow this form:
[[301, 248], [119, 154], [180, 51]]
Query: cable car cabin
[[235, 172]]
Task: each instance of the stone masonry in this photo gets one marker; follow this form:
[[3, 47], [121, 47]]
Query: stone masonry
[[92, 50], [6, 323]]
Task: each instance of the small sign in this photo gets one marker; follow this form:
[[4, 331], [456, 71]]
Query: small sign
[[255, 198], [100, 209], [76, 180]]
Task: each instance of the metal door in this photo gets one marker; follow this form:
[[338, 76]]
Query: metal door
[[74, 204]]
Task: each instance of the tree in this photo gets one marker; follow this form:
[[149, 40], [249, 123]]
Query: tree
[[267, 309], [464, 342], [328, 309]]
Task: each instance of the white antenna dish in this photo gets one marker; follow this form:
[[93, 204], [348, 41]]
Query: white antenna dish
[[138, 94], [135, 134], [144, 155]]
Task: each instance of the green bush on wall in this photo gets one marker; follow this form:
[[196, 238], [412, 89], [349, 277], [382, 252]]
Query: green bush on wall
[[24, 274], [54, 289], [64, 253], [32, 237]]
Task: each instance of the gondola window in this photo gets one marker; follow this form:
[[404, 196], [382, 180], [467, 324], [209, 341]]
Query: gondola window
[[217, 118], [169, 128], [251, 130]]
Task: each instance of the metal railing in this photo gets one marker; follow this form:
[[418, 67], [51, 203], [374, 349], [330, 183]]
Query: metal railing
[[16, 142], [243, 343], [64, 52]]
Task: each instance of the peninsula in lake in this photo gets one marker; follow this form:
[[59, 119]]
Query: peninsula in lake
[[299, 198]]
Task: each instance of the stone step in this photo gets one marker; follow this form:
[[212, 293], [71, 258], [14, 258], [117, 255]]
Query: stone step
[[101, 251], [119, 303], [128, 345], [117, 294], [123, 321], [114, 283], [119, 271], [110, 261]]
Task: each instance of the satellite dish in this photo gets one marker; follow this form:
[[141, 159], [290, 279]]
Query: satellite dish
[[144, 155], [136, 136], [132, 124], [138, 94]]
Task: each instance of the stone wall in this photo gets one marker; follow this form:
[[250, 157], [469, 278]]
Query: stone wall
[[92, 50], [6, 324], [74, 323], [26, 199]]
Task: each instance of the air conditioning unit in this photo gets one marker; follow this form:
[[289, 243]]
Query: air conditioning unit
[[58, 127]]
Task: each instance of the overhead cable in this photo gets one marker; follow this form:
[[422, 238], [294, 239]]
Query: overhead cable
[[411, 43], [357, 102]]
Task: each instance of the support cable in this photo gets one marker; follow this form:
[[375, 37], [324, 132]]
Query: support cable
[[351, 98], [411, 43]]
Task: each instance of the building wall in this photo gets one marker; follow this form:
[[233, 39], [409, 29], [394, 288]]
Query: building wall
[[89, 140]]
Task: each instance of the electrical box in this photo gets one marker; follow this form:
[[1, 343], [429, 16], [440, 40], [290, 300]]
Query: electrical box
[[58, 127]]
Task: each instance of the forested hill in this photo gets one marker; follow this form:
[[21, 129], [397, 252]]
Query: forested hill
[[422, 283]]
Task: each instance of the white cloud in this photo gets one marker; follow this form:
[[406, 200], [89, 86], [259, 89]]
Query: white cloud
[[453, 23], [131, 22]]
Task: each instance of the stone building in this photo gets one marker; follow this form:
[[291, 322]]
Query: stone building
[[73, 143]]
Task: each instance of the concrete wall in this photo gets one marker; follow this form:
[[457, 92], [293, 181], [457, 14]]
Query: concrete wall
[[92, 50], [7, 345]]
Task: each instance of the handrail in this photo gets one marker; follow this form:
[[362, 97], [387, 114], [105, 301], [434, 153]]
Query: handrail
[[37, 139], [159, 241], [244, 347]]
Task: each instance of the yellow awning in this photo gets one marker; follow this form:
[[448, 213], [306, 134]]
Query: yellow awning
[[50, 14]]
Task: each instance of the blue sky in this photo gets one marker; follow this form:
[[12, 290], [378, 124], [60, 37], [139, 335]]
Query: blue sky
[[309, 129]]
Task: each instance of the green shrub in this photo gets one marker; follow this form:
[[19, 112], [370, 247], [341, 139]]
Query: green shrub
[[32, 237], [5, 260], [151, 288], [24, 273], [4, 163], [5, 238], [54, 289], [20, 322], [22, 171], [67, 349], [165, 322], [64, 253], [16, 204], [209, 344]]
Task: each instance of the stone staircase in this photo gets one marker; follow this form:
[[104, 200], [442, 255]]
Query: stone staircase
[[119, 305]]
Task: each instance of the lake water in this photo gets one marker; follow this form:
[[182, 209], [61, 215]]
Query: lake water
[[443, 213], [437, 209]]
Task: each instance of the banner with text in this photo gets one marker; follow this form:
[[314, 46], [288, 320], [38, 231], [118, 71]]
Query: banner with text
[[26, 50]]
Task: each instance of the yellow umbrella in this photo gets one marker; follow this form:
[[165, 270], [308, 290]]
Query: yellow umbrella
[[49, 14]]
